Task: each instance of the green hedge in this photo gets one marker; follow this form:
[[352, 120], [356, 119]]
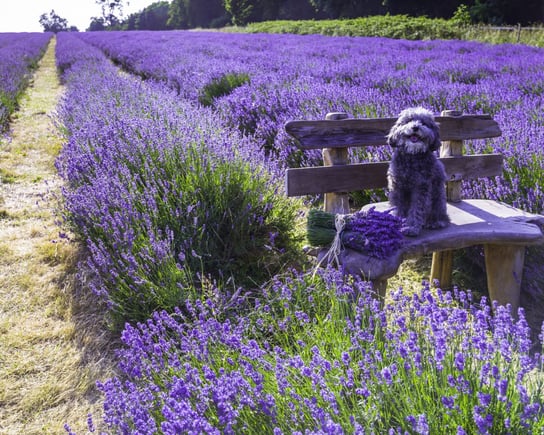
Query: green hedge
[[389, 26], [402, 27]]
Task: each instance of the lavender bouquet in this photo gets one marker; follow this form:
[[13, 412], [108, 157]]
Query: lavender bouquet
[[376, 234]]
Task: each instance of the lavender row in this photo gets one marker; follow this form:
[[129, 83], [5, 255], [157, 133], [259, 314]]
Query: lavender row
[[294, 76], [19, 54], [319, 355], [70, 51], [162, 192]]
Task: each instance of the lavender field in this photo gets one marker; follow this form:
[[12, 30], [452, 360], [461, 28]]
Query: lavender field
[[19, 54], [293, 76], [174, 181]]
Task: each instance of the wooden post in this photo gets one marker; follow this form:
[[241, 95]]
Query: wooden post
[[441, 268], [380, 288], [442, 264], [336, 202], [451, 149], [504, 267]]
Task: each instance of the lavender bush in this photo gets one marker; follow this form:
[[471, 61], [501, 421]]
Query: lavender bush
[[163, 194], [19, 55], [319, 355]]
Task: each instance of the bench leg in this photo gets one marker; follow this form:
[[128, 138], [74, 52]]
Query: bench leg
[[441, 268], [504, 267], [380, 287]]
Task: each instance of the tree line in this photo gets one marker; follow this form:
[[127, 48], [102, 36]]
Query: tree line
[[188, 14]]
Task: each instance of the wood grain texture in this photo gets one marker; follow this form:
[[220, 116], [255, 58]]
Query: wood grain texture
[[360, 176], [452, 148], [441, 268], [373, 131], [336, 202], [475, 222], [504, 269]]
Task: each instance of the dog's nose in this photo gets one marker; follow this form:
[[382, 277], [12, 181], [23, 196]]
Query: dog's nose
[[415, 128]]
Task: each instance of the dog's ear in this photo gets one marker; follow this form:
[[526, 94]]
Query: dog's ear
[[393, 137], [435, 145]]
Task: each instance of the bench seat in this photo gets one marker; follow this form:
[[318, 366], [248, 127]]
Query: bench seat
[[502, 230], [475, 222]]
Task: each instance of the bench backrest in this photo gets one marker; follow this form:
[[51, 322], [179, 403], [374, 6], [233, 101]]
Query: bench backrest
[[336, 134]]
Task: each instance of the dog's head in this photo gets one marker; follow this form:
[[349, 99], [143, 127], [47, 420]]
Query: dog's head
[[415, 131]]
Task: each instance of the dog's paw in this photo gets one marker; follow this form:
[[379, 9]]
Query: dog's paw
[[410, 231], [437, 225]]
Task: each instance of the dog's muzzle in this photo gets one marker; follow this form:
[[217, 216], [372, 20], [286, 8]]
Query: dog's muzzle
[[415, 137], [414, 144]]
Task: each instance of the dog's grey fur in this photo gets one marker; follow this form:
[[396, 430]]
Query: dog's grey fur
[[416, 177]]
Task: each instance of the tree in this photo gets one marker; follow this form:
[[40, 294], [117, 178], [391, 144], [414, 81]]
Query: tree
[[240, 11], [185, 14], [97, 24], [53, 22], [349, 8], [112, 11], [178, 17], [153, 17], [203, 13], [296, 10]]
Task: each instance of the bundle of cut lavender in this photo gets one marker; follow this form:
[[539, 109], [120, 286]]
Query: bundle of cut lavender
[[375, 233]]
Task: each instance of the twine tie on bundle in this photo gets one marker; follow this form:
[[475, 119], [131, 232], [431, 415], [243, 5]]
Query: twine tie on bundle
[[336, 246]]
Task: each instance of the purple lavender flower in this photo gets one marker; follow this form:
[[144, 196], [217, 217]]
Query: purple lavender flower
[[375, 233], [484, 422], [502, 388], [484, 399], [459, 361], [448, 401], [419, 424], [19, 54]]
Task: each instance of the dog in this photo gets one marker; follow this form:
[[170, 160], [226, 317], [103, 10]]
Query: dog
[[416, 178]]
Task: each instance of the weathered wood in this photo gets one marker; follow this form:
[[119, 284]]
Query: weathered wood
[[504, 267], [452, 148], [380, 288], [442, 263], [323, 179], [441, 268], [373, 131], [475, 222], [360, 176], [338, 201]]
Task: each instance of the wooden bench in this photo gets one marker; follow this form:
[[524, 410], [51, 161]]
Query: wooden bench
[[504, 231]]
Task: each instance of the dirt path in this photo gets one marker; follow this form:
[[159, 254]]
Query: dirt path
[[52, 347]]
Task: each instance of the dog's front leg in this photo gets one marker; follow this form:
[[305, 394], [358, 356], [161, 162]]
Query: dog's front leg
[[419, 207]]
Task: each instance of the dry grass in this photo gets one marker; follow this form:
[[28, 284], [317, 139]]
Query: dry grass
[[54, 344]]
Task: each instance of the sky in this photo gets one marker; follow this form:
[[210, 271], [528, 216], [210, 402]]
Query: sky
[[24, 15]]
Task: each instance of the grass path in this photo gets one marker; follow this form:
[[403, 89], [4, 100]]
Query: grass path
[[53, 343]]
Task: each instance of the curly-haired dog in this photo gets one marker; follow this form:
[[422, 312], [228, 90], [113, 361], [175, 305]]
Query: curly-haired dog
[[416, 177]]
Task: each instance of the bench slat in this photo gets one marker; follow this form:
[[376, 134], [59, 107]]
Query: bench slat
[[360, 176], [372, 131]]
